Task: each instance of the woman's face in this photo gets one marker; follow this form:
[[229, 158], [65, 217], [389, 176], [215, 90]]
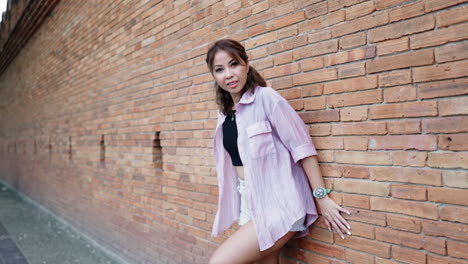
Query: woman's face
[[230, 75]]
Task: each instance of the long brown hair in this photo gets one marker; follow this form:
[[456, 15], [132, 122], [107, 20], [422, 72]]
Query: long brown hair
[[237, 52]]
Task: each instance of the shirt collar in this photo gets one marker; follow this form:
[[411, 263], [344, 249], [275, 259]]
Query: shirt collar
[[248, 97]]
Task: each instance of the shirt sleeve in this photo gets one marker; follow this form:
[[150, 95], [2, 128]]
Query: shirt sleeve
[[291, 130]]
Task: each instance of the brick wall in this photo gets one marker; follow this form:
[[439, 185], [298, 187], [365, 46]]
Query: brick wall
[[107, 116]]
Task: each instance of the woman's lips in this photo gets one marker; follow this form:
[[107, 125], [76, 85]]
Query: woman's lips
[[232, 84]]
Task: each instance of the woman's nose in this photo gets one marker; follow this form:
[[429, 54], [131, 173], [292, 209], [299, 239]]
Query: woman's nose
[[228, 74]]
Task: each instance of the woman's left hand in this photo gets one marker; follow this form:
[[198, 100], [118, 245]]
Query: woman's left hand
[[333, 219]]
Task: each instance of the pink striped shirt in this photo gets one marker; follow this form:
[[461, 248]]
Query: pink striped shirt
[[272, 139]]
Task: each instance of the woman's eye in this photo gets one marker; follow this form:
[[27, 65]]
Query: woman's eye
[[218, 70], [234, 64]]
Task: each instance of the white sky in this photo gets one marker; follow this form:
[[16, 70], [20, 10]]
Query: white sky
[[3, 5]]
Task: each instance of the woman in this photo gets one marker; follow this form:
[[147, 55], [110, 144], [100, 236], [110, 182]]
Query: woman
[[264, 156]]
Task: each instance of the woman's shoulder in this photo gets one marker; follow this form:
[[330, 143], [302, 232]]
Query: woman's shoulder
[[268, 93]]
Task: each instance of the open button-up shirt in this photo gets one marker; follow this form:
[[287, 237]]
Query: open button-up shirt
[[272, 139]]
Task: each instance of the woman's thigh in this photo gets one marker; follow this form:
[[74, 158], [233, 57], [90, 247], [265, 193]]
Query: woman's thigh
[[242, 247]]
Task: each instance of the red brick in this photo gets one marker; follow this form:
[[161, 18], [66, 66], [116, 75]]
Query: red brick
[[353, 84], [362, 187], [452, 52], [362, 230], [394, 78], [283, 70], [404, 127], [367, 216], [452, 16], [453, 106], [316, 10], [290, 93], [419, 209], [289, 44], [338, 4], [360, 10], [355, 143], [352, 70], [384, 4], [319, 36], [356, 98], [312, 64], [361, 157], [438, 37], [392, 46], [448, 195], [409, 192], [416, 58], [261, 40], [288, 20], [454, 124], [311, 90], [351, 41], [403, 28], [409, 158], [320, 116], [365, 245], [350, 55], [404, 223], [315, 76], [443, 88], [320, 48], [353, 256], [314, 103], [441, 71], [400, 94], [322, 21], [448, 160], [354, 114], [359, 24], [453, 142], [457, 249], [289, 31], [328, 142], [408, 255], [283, 58], [355, 200], [454, 214], [360, 128], [407, 142], [400, 110], [320, 130], [330, 171], [456, 178], [411, 175], [434, 259], [281, 83], [445, 229], [385, 261], [432, 5], [232, 18], [413, 240], [322, 248], [406, 11]]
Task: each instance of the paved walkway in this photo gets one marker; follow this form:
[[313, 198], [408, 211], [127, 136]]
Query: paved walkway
[[28, 235]]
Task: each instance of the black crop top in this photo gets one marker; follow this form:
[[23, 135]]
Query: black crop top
[[230, 138]]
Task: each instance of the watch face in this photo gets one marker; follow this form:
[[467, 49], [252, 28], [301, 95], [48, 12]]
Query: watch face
[[319, 192]]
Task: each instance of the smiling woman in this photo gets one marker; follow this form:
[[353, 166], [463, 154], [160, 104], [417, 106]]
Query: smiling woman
[[265, 161]]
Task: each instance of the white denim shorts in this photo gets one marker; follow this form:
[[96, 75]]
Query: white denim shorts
[[245, 214]]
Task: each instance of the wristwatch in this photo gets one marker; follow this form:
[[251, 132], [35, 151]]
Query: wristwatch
[[321, 192]]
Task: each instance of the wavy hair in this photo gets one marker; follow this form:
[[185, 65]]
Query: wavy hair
[[237, 52]]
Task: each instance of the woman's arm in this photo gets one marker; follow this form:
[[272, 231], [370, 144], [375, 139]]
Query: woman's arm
[[329, 209]]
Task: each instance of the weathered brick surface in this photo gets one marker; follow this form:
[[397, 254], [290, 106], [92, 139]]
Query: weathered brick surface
[[107, 118]]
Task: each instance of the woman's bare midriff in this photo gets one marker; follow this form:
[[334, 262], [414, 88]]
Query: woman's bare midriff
[[240, 171]]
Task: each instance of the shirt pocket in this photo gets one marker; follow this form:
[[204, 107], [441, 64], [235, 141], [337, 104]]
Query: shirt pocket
[[260, 139]]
